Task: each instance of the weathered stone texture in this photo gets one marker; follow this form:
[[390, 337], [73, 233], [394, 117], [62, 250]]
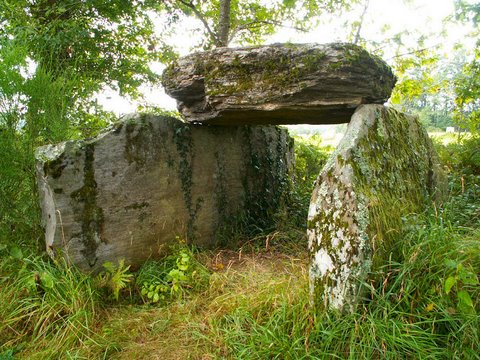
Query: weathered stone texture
[[278, 84], [384, 168], [129, 192]]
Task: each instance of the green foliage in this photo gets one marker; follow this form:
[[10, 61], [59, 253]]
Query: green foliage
[[467, 11], [31, 114], [115, 277], [425, 88], [461, 157], [442, 89], [7, 355], [310, 157], [160, 281], [459, 281], [103, 43], [155, 110], [467, 91]]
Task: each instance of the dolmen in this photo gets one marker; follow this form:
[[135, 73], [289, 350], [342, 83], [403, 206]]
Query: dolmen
[[127, 193]]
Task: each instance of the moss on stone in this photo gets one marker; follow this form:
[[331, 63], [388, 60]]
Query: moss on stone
[[182, 137], [91, 216], [268, 73], [378, 174], [54, 168], [137, 206]]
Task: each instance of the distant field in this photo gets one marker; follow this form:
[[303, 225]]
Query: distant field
[[331, 135]]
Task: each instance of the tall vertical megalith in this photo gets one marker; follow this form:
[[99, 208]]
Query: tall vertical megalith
[[384, 168]]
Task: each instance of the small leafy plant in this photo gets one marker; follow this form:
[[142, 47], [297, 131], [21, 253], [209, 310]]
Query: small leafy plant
[[459, 281], [171, 277], [115, 277]]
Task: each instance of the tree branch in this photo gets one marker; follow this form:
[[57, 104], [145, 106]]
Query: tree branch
[[414, 52], [200, 16], [224, 23], [357, 35], [260, 23]]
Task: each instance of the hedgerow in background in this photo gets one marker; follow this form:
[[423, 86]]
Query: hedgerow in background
[[310, 157], [467, 81]]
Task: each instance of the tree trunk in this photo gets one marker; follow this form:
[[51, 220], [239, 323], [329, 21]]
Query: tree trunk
[[223, 24]]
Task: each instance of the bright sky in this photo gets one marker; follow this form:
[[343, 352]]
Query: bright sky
[[384, 18]]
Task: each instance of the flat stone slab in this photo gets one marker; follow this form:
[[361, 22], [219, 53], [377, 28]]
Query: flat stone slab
[[384, 168], [277, 84], [131, 191]]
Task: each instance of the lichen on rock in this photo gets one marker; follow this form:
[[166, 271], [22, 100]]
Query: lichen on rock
[[384, 168], [277, 84]]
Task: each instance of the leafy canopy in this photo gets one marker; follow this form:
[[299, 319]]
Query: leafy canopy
[[102, 42]]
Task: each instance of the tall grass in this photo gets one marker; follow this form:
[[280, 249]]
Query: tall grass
[[408, 314], [47, 308], [255, 304]]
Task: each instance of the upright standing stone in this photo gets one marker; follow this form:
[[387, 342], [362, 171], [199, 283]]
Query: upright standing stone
[[132, 190], [278, 84], [384, 168]]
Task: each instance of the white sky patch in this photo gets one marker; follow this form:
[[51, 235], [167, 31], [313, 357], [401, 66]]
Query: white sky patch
[[384, 19], [154, 96]]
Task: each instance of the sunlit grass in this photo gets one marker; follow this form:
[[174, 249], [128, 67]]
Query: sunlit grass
[[253, 302]]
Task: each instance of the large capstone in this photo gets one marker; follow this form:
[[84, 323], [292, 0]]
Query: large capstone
[[383, 169], [130, 192], [278, 84]]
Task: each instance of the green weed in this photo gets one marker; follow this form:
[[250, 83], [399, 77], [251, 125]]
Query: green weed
[[172, 277], [114, 278], [310, 157]]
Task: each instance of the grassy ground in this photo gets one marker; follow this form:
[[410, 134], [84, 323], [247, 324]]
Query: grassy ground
[[190, 328], [253, 302], [256, 306]]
